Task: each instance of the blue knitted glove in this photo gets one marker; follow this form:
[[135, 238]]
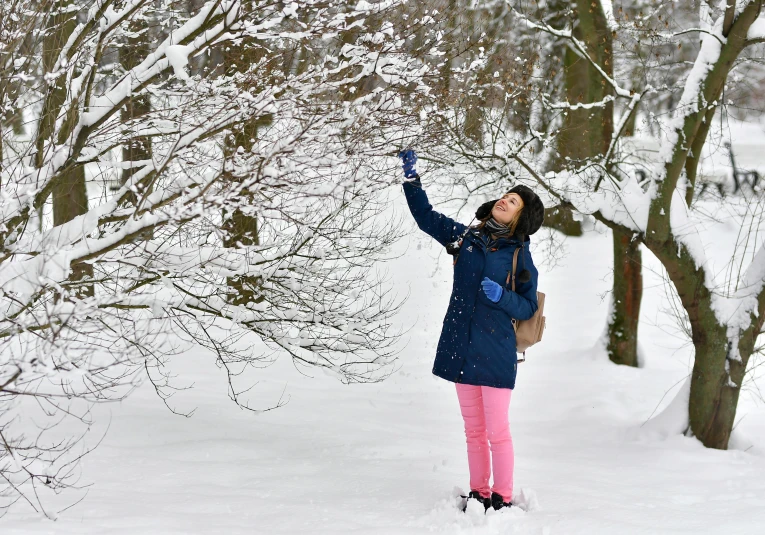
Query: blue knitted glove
[[492, 290], [408, 160]]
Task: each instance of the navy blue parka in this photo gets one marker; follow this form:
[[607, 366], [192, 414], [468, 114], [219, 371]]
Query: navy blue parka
[[477, 344]]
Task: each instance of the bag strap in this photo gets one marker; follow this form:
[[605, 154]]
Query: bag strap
[[511, 274], [511, 279]]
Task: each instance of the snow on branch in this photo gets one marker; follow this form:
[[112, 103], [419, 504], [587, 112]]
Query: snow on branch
[[608, 11], [578, 46], [756, 33], [580, 105], [692, 99]]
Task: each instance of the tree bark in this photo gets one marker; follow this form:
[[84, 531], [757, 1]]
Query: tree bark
[[718, 370], [712, 406], [627, 296], [241, 229], [561, 218], [135, 49], [69, 192], [587, 133], [714, 398]]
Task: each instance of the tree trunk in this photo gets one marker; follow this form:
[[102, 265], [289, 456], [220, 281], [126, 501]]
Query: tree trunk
[[69, 193], [713, 401], [627, 295], [70, 199], [717, 374], [59, 26], [241, 229], [135, 49], [586, 134]]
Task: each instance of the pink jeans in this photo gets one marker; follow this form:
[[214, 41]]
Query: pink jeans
[[484, 410]]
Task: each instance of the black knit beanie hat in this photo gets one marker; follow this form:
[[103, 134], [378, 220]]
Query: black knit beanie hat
[[532, 217]]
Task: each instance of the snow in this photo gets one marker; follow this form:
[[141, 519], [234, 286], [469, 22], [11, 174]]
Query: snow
[[378, 6], [711, 46], [757, 29], [706, 20], [625, 203], [705, 241], [735, 272], [685, 231], [608, 12], [24, 278], [598, 449], [693, 90], [673, 420], [104, 105], [581, 49], [178, 56]]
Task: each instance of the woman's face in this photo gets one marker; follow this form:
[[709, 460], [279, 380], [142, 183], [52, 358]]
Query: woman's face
[[506, 208]]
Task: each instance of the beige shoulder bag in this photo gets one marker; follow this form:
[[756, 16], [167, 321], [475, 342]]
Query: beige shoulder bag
[[527, 332]]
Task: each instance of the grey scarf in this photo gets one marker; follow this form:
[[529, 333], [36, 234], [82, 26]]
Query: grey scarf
[[498, 229]]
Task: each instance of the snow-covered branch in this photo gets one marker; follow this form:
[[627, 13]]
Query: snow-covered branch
[[756, 33], [580, 48]]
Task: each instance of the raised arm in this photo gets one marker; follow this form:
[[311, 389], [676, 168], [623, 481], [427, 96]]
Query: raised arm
[[444, 229]]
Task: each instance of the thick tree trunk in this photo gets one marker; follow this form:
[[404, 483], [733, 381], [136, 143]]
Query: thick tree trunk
[[586, 134], [242, 229], [70, 199], [627, 296], [714, 396], [721, 355], [718, 372]]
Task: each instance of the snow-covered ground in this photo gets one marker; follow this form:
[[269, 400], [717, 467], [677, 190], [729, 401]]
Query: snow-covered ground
[[386, 458]]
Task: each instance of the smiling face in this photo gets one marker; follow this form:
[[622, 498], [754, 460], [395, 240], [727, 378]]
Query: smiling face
[[507, 209]]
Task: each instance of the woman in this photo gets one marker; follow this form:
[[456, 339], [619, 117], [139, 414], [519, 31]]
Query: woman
[[477, 349]]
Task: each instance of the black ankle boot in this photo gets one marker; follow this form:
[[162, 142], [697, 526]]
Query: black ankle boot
[[475, 495], [498, 503]]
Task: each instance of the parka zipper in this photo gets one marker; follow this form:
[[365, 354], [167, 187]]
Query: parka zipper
[[485, 249]]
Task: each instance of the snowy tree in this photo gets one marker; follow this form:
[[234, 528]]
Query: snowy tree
[[658, 211], [165, 198]]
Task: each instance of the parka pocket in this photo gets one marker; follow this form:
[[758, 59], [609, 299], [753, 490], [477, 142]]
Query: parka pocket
[[493, 329]]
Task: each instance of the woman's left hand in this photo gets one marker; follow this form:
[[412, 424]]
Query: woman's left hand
[[492, 290]]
